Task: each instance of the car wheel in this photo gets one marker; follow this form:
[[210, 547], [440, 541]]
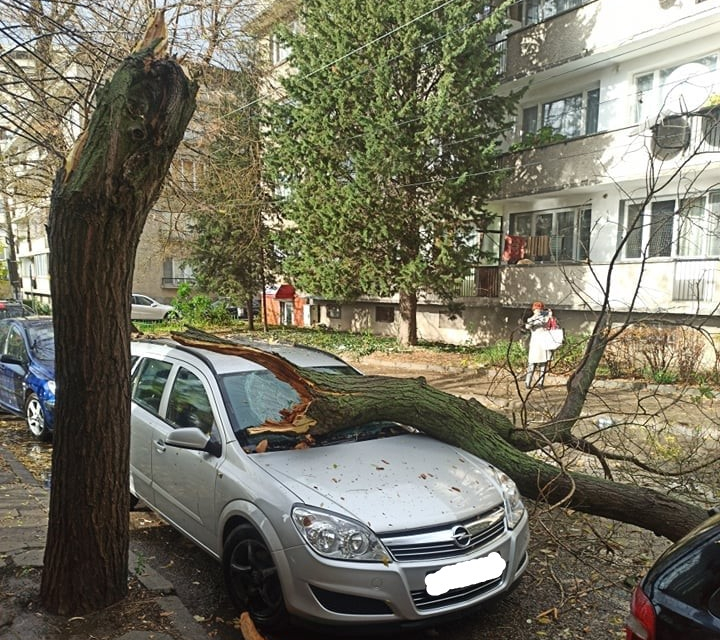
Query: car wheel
[[35, 418], [172, 315], [251, 578]]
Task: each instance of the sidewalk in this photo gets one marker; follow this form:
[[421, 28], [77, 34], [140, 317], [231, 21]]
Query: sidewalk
[[23, 527]]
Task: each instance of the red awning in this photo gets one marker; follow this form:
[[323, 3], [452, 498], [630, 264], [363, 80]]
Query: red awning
[[285, 292]]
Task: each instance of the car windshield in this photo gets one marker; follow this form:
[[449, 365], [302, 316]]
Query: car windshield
[[42, 340], [254, 397]]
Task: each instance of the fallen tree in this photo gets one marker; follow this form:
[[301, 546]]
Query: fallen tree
[[329, 402]]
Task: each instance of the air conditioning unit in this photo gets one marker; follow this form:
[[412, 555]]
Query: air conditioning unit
[[671, 135]]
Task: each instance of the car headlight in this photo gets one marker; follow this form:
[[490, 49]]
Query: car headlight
[[334, 536], [51, 386], [513, 502]]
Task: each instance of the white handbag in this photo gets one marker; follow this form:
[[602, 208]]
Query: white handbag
[[554, 338]]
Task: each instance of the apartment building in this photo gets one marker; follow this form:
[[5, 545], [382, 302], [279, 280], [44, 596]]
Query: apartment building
[[26, 175], [613, 187]]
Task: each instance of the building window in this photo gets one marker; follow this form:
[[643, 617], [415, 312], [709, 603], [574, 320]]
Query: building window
[[176, 272], [533, 11], [562, 235], [189, 172], [571, 116], [42, 267], [688, 228], [663, 90], [279, 49], [333, 311], [384, 314], [699, 227]]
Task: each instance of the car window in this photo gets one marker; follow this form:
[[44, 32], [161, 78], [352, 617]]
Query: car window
[[11, 310], [4, 330], [695, 578], [148, 383], [42, 340], [16, 345], [345, 370], [188, 403]]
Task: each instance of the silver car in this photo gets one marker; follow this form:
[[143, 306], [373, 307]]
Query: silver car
[[375, 525], [146, 308]]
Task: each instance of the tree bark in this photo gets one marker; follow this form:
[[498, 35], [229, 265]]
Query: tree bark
[[408, 318], [329, 402], [99, 204]]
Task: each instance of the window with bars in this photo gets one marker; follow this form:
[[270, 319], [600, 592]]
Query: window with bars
[[681, 228]]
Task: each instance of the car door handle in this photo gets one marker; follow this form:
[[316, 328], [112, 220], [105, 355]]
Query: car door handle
[[160, 446]]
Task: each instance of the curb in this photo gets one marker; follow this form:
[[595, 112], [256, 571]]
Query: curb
[[23, 555]]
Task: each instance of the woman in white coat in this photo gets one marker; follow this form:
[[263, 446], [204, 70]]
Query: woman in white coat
[[538, 353]]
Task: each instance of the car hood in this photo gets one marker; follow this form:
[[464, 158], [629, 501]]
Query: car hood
[[390, 484], [43, 368]]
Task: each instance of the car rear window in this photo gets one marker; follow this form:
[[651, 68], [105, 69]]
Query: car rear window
[[694, 577]]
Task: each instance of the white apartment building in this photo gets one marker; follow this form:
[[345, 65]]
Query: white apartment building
[[619, 120], [633, 90]]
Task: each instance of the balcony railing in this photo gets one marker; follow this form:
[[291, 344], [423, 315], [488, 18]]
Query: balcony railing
[[694, 280], [174, 283], [483, 282]]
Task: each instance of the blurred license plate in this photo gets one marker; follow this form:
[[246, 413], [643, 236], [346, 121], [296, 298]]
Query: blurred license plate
[[465, 574]]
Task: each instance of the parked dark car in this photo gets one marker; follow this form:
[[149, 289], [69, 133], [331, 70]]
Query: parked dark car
[[14, 309], [27, 372], [234, 310], [680, 595]]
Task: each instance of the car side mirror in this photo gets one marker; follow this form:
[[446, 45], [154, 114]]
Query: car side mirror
[[194, 439], [8, 359]]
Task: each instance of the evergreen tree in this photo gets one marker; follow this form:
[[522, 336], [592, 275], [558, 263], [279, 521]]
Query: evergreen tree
[[384, 146], [231, 251]]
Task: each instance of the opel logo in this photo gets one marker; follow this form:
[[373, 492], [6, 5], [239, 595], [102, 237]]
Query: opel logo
[[461, 537]]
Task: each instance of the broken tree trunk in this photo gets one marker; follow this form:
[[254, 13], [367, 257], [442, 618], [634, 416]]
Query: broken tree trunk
[[99, 204], [329, 402]]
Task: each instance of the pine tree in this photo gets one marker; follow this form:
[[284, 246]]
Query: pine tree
[[384, 147], [231, 250]]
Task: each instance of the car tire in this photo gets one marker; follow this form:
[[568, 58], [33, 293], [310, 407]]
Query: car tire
[[172, 315], [251, 578], [35, 418]]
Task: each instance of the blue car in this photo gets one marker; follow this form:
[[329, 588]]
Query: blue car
[[27, 372]]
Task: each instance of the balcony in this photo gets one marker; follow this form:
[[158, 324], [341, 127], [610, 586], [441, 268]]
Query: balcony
[[681, 286], [560, 165], [594, 30], [623, 154]]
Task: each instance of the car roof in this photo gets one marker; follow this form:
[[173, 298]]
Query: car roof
[[299, 355], [34, 321]]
